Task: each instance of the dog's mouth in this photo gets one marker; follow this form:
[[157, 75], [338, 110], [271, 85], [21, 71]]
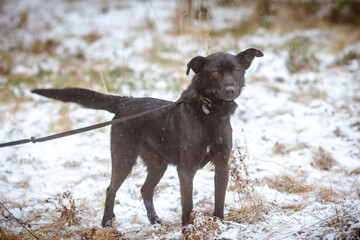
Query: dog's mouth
[[227, 94]]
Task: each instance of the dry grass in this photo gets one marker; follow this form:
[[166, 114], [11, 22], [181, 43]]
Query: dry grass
[[162, 186], [203, 227], [306, 97], [294, 207], [343, 223], [59, 223], [99, 233], [4, 235], [302, 57], [47, 46], [72, 165], [322, 159], [280, 148], [239, 177], [68, 209], [91, 37], [283, 149], [253, 208], [25, 183], [63, 121], [295, 185], [154, 231], [250, 212], [324, 195], [355, 172], [288, 184], [193, 20], [54, 232]]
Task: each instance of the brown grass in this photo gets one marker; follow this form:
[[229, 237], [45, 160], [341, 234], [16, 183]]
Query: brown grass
[[91, 37], [288, 184], [322, 159], [47, 46], [100, 233], [253, 208], [343, 223], [193, 20], [294, 207], [25, 183], [324, 194], [72, 165], [239, 176], [250, 212], [54, 232], [355, 171], [162, 186], [283, 149], [68, 209], [59, 223], [4, 235], [203, 227], [280, 148], [63, 121], [306, 97]]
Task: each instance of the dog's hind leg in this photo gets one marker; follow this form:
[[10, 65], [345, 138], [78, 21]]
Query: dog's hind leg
[[155, 172], [123, 159]]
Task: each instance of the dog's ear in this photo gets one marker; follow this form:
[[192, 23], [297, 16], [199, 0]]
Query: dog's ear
[[246, 57], [196, 64]]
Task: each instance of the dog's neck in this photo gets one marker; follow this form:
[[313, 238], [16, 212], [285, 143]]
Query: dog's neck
[[207, 105]]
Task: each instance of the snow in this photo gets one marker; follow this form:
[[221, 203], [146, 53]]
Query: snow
[[302, 111]]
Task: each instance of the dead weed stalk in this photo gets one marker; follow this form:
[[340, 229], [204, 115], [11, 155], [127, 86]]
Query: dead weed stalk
[[203, 227], [65, 205], [253, 208], [238, 172]]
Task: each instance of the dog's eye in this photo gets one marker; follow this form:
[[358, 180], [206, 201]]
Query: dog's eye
[[215, 73]]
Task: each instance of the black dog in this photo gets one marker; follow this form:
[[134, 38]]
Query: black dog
[[189, 133]]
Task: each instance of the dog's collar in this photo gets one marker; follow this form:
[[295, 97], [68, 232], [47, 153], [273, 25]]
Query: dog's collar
[[203, 101], [206, 104]]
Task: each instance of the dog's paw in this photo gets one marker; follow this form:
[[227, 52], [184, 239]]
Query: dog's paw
[[156, 220], [107, 223]]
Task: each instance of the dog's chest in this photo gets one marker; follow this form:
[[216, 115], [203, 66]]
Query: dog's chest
[[182, 135]]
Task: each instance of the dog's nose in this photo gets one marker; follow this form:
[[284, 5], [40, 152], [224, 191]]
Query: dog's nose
[[230, 91]]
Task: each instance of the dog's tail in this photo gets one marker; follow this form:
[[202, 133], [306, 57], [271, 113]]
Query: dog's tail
[[84, 97]]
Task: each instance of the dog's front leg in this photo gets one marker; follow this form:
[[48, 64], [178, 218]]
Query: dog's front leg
[[186, 177], [221, 180]]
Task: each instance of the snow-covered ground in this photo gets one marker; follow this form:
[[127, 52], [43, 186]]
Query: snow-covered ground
[[299, 130]]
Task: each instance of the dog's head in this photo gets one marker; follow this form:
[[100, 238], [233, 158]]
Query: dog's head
[[221, 75]]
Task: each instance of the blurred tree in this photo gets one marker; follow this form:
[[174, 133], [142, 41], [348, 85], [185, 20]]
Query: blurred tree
[[310, 11], [263, 7]]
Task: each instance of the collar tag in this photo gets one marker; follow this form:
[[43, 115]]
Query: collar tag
[[206, 105]]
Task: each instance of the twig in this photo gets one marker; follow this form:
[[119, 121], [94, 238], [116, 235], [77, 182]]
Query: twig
[[103, 81], [19, 221]]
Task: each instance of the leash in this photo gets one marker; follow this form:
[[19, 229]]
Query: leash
[[85, 129]]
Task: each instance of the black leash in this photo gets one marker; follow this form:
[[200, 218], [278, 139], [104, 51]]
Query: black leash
[[85, 129]]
